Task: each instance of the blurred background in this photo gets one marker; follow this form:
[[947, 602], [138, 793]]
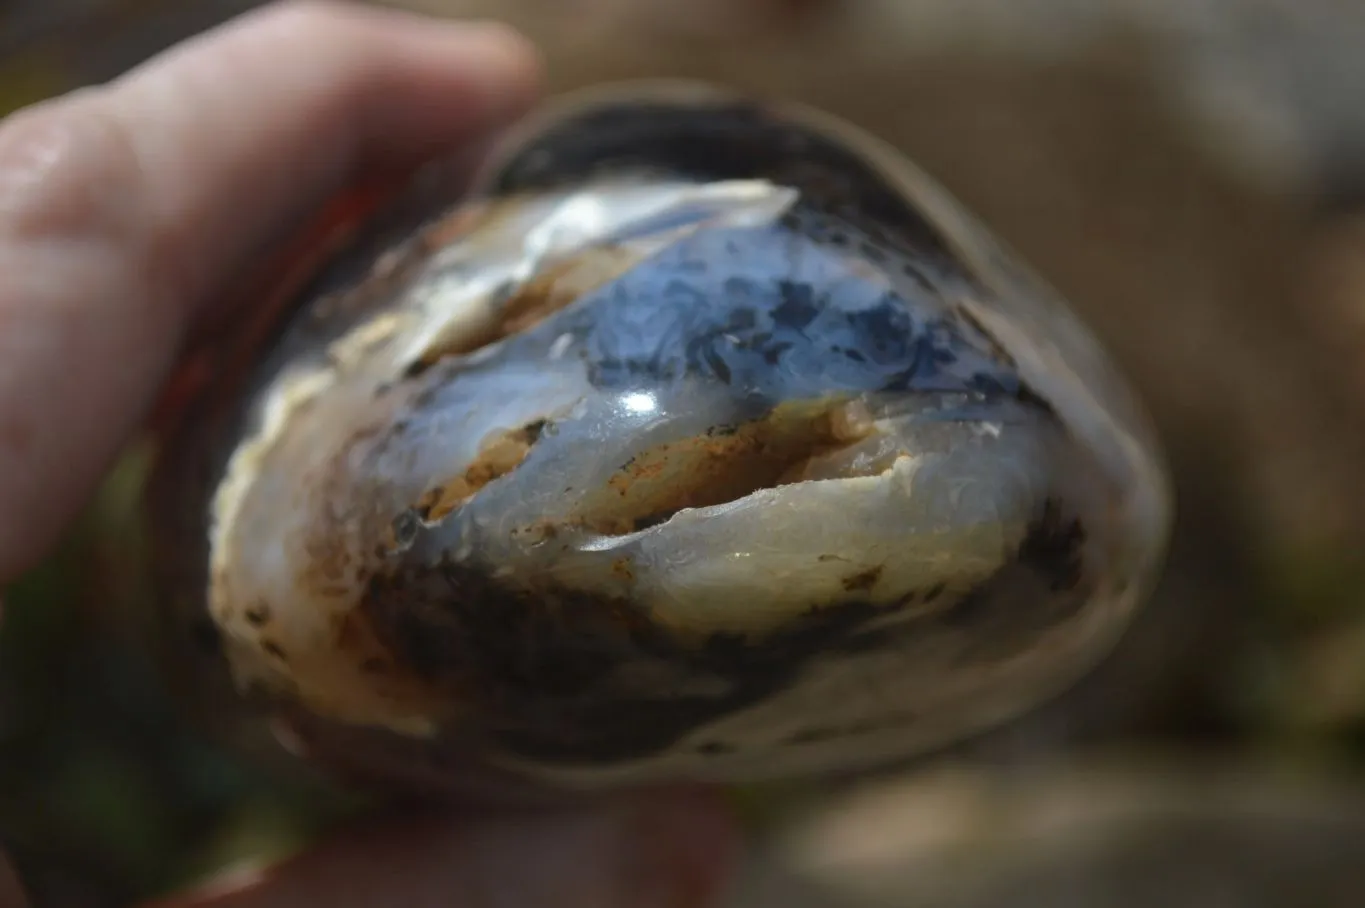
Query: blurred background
[[1191, 175]]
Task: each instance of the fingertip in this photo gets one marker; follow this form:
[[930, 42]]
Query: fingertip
[[484, 74], [504, 68], [368, 80], [495, 70], [517, 60]]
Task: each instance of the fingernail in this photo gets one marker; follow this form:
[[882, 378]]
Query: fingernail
[[680, 852]]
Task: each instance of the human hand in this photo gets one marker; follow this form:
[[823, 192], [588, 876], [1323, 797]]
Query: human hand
[[124, 211]]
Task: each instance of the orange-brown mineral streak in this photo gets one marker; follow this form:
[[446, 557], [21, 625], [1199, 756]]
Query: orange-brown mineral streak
[[722, 465], [348, 546], [291, 569], [499, 456]]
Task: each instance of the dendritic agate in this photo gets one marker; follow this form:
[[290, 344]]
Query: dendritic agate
[[705, 438]]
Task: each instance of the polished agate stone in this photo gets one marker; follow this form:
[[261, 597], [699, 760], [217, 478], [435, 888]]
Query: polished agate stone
[[703, 437]]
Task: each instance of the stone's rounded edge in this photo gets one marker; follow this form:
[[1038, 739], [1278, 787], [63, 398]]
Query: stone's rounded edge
[[561, 108]]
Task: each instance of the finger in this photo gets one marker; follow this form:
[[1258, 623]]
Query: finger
[[668, 852], [123, 207]]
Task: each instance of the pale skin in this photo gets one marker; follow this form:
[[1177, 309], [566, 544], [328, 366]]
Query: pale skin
[[126, 213]]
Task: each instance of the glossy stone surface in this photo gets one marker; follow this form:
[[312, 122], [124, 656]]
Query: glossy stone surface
[[705, 438]]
